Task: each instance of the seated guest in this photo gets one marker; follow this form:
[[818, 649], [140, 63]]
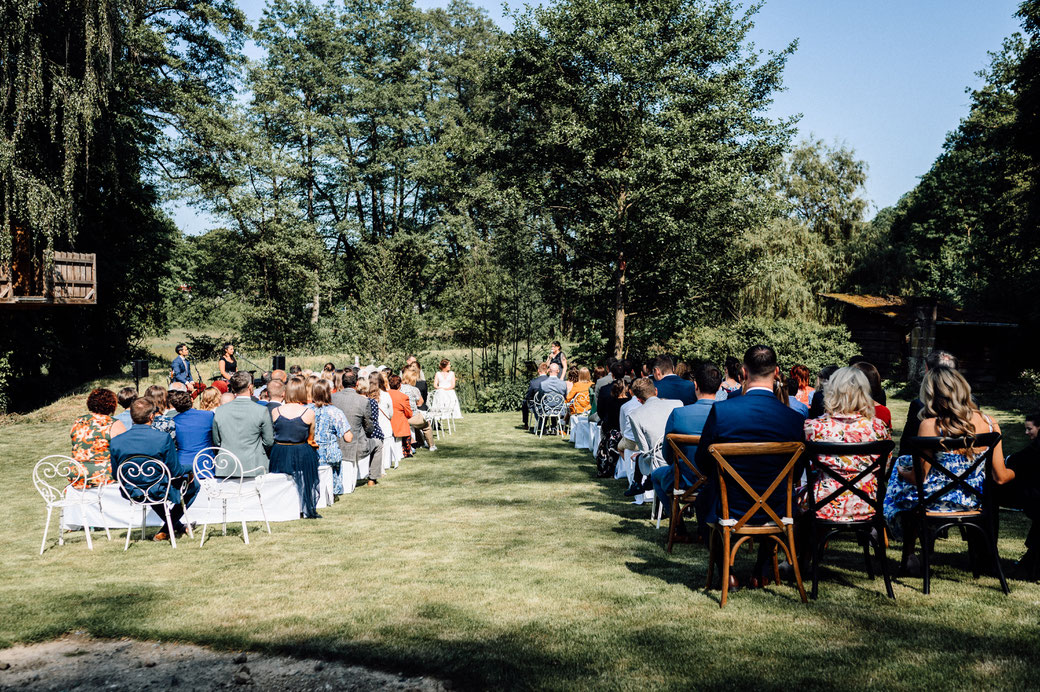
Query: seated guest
[[628, 435], [800, 374], [243, 427], [816, 408], [402, 413], [791, 394], [877, 392], [176, 387], [1023, 493], [648, 422], [534, 390], [604, 377], [90, 440], [933, 360], [849, 417], [687, 420], [415, 399], [731, 384], [370, 390], [669, 386], [860, 358], [578, 394], [220, 386], [611, 400], [209, 399], [553, 384], [948, 411], [330, 428], [194, 429], [226, 398], [357, 410], [756, 416], [163, 420], [294, 452], [125, 397], [142, 440]]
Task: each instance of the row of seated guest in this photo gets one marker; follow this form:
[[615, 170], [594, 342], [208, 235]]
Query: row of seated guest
[[850, 415], [301, 423]]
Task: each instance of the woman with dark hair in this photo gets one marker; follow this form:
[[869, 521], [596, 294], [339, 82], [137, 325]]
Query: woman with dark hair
[[90, 438], [162, 422], [801, 375], [556, 356], [734, 377], [609, 409], [1024, 493], [294, 451], [228, 364], [877, 392], [331, 426]]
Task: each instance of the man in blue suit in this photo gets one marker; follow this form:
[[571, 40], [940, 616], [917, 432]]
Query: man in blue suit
[[671, 386], [757, 416], [181, 370], [145, 442], [688, 420]]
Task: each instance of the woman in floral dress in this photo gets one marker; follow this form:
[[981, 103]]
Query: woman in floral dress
[[849, 418], [948, 412], [90, 438], [330, 426]]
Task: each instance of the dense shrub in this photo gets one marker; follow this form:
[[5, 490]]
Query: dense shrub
[[796, 342], [494, 397]]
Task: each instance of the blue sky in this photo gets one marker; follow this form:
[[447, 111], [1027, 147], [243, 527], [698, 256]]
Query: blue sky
[[884, 77]]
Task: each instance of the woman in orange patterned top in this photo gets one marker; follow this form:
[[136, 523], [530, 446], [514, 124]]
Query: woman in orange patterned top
[[849, 417], [578, 393], [90, 439], [800, 374]]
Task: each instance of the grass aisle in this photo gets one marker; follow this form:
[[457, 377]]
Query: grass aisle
[[500, 561]]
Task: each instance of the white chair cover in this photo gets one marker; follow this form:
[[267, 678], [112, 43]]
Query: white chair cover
[[594, 436], [580, 432], [325, 495], [625, 467]]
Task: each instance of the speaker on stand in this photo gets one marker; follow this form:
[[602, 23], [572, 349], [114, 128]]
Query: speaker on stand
[[140, 372], [278, 363]]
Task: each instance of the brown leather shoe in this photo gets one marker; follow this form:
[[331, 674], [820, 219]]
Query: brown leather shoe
[[161, 536], [734, 583]]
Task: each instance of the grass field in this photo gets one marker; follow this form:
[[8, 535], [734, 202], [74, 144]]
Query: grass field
[[499, 561]]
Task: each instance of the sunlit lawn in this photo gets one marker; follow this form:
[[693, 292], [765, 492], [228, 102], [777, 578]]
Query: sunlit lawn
[[499, 561]]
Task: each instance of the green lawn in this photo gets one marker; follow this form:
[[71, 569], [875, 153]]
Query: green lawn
[[499, 561]]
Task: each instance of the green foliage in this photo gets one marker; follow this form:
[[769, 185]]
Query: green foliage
[[797, 342], [495, 397]]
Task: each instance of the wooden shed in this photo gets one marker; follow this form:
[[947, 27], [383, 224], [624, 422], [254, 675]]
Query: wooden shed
[[70, 280], [896, 333]]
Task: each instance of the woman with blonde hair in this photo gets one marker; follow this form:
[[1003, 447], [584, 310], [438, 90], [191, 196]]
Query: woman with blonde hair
[[948, 412], [849, 417], [209, 399], [409, 378]]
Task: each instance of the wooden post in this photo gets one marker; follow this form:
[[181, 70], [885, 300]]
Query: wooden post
[[922, 336]]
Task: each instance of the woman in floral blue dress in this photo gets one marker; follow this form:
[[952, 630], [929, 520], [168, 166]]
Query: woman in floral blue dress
[[948, 412], [330, 426]]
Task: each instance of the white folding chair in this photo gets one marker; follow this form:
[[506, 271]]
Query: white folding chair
[[55, 477], [146, 484], [222, 478], [440, 416], [553, 408]]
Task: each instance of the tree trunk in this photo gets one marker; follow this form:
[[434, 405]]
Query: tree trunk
[[619, 309], [315, 309]]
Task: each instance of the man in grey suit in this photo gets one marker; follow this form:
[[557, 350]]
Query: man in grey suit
[[553, 384], [648, 423], [359, 414], [244, 427]]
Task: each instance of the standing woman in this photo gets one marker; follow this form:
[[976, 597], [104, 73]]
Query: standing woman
[[294, 450], [444, 395], [556, 356], [228, 364], [391, 454], [330, 426]]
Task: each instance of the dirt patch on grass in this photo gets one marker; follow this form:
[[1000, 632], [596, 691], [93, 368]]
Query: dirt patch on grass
[[83, 663]]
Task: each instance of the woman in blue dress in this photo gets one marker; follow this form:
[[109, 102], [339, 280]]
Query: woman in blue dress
[[295, 452], [331, 426], [948, 412]]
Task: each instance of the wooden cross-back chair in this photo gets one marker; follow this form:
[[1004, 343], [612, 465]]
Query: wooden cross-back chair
[[981, 520], [682, 497], [869, 531], [779, 529]]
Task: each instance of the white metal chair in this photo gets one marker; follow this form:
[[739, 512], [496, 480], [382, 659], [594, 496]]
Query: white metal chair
[[553, 408], [55, 477], [146, 484], [536, 411], [440, 416], [221, 477]]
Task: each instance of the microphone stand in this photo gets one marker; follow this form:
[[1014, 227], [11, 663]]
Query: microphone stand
[[259, 369]]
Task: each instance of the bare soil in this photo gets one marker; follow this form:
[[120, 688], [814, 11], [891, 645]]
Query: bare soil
[[80, 662]]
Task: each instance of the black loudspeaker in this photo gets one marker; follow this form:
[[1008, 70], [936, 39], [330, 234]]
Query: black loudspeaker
[[278, 363], [140, 369]]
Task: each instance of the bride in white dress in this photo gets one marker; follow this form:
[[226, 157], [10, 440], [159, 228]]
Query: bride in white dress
[[444, 390]]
